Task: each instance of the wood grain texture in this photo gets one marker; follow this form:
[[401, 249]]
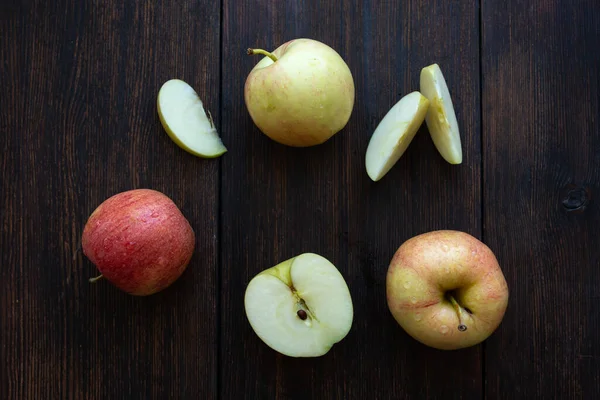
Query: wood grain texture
[[79, 123], [387, 44], [541, 137], [278, 202]]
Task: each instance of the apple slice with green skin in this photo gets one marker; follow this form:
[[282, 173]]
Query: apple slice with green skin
[[182, 114], [441, 118], [300, 307], [394, 133]]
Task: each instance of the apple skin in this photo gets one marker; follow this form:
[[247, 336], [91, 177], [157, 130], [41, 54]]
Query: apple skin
[[428, 266], [272, 300], [180, 96], [302, 99], [139, 240]]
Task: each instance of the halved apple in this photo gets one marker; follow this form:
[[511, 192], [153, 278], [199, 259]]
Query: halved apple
[[441, 118], [182, 114], [300, 307], [394, 133]]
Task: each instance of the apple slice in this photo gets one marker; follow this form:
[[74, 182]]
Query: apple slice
[[394, 133], [441, 119], [182, 114], [300, 307]]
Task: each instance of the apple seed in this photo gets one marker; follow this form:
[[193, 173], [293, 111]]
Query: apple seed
[[302, 314]]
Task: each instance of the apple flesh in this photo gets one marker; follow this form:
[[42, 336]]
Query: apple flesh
[[301, 94], [441, 118], [446, 289], [182, 115], [300, 307], [139, 240], [394, 133]]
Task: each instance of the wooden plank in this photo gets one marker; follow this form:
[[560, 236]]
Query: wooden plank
[[388, 43], [278, 202], [541, 143], [80, 124]]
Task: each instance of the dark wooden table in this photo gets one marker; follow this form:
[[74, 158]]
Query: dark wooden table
[[79, 123]]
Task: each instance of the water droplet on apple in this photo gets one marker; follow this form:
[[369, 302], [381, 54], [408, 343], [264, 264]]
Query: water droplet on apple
[[413, 300], [154, 215], [444, 329], [406, 285], [418, 316], [473, 253]]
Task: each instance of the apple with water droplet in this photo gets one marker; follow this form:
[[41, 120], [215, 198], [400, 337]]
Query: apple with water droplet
[[139, 240], [446, 289], [301, 94]]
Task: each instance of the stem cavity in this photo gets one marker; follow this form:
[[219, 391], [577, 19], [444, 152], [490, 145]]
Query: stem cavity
[[263, 52]]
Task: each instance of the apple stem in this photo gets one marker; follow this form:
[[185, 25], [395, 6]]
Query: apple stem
[[96, 279], [461, 327], [263, 52]]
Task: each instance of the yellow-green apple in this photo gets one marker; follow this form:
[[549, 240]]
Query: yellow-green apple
[[441, 118], [446, 289], [394, 133], [300, 307], [139, 240], [301, 94], [182, 115]]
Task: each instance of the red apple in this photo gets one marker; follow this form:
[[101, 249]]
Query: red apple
[[139, 240], [446, 289]]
